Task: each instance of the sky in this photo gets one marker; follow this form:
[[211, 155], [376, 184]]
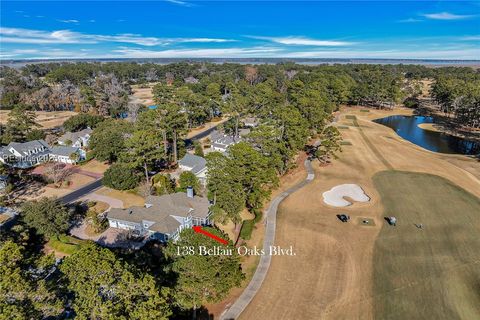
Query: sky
[[240, 29]]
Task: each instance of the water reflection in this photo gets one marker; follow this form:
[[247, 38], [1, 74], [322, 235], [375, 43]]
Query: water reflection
[[407, 128]]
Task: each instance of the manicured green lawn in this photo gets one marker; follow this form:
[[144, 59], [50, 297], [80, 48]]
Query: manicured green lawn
[[65, 244], [429, 273]]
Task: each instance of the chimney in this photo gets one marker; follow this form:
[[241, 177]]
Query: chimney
[[189, 192]]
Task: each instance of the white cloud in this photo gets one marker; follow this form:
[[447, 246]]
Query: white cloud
[[303, 41], [69, 21], [410, 20], [16, 35], [471, 38], [453, 54], [446, 16], [181, 3], [24, 51], [198, 53], [203, 40]]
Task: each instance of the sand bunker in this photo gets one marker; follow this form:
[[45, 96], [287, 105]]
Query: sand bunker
[[335, 196]]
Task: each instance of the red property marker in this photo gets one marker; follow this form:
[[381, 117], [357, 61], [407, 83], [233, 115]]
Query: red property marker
[[198, 229]]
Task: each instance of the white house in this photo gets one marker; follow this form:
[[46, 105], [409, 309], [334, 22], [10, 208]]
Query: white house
[[164, 217], [221, 142], [3, 182], [196, 165], [29, 154], [64, 154], [77, 139], [250, 122]]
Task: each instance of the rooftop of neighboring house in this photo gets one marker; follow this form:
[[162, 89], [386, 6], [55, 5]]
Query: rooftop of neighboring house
[[74, 136], [243, 132], [191, 80], [161, 209], [25, 147], [6, 214], [196, 163], [63, 151], [250, 121], [220, 139]]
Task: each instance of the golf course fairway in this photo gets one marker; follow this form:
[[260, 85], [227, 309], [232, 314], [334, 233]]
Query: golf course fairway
[[433, 272]]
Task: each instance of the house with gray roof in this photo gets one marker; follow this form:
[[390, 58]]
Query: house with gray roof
[[250, 122], [7, 217], [221, 142], [77, 139], [163, 217], [3, 182], [196, 165], [64, 154], [29, 154]]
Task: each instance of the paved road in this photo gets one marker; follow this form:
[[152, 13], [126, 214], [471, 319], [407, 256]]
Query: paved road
[[271, 216], [80, 192], [201, 135]]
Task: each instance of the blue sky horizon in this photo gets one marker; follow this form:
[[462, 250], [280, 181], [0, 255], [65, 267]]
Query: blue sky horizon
[[447, 30]]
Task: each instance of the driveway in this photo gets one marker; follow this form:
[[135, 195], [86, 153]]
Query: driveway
[[112, 237], [112, 202]]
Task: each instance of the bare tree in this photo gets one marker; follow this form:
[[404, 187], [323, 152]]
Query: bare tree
[[151, 75], [57, 172]]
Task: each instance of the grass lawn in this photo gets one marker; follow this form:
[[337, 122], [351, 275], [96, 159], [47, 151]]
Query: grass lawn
[[65, 244], [429, 273], [129, 198], [94, 166]]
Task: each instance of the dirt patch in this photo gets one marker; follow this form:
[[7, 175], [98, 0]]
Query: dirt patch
[[47, 119], [143, 94]]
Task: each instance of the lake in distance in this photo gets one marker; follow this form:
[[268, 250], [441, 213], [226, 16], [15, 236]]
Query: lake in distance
[[407, 128]]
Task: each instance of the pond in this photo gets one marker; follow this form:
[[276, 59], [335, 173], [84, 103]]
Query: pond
[[407, 128]]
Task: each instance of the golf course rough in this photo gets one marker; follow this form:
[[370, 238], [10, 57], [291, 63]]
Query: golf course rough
[[429, 273]]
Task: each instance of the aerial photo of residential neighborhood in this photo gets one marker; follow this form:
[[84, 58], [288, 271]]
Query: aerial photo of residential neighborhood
[[249, 160]]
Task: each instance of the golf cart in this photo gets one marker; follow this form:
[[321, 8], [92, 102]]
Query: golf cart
[[343, 217]]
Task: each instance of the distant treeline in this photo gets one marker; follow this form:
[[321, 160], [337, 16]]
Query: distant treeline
[[103, 88]]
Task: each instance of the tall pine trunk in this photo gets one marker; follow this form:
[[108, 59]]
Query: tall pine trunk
[[174, 146], [146, 172], [165, 142], [236, 125]]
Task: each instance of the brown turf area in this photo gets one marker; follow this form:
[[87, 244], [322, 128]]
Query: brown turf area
[[332, 275]]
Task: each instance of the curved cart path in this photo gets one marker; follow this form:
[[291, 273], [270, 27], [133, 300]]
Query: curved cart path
[[271, 217]]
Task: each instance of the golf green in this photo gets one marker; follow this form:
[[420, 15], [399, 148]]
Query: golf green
[[433, 272]]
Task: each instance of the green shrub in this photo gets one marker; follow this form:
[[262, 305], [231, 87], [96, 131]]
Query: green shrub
[[82, 121], [163, 184], [247, 228], [198, 149], [258, 215], [120, 177], [65, 244]]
